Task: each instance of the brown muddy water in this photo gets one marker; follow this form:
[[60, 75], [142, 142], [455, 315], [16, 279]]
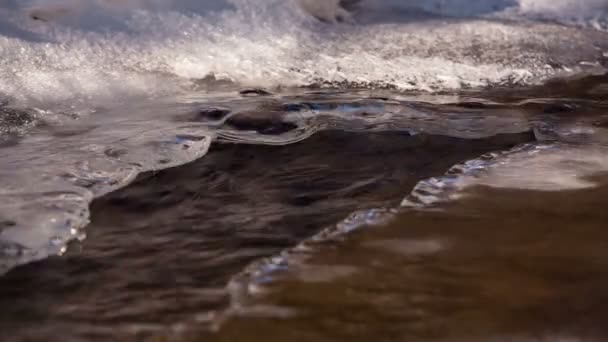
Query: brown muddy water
[[502, 265], [250, 243]]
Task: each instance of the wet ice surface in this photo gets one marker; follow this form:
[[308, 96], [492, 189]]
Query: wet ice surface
[[49, 177], [291, 177]]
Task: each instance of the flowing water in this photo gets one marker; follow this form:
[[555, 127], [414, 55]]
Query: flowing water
[[269, 170]]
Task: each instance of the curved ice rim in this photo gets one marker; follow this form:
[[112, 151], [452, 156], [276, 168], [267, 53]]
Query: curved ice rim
[[73, 204]]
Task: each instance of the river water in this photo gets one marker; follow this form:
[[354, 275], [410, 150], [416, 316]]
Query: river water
[[243, 171]]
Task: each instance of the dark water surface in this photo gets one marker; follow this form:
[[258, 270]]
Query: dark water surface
[[498, 264]]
